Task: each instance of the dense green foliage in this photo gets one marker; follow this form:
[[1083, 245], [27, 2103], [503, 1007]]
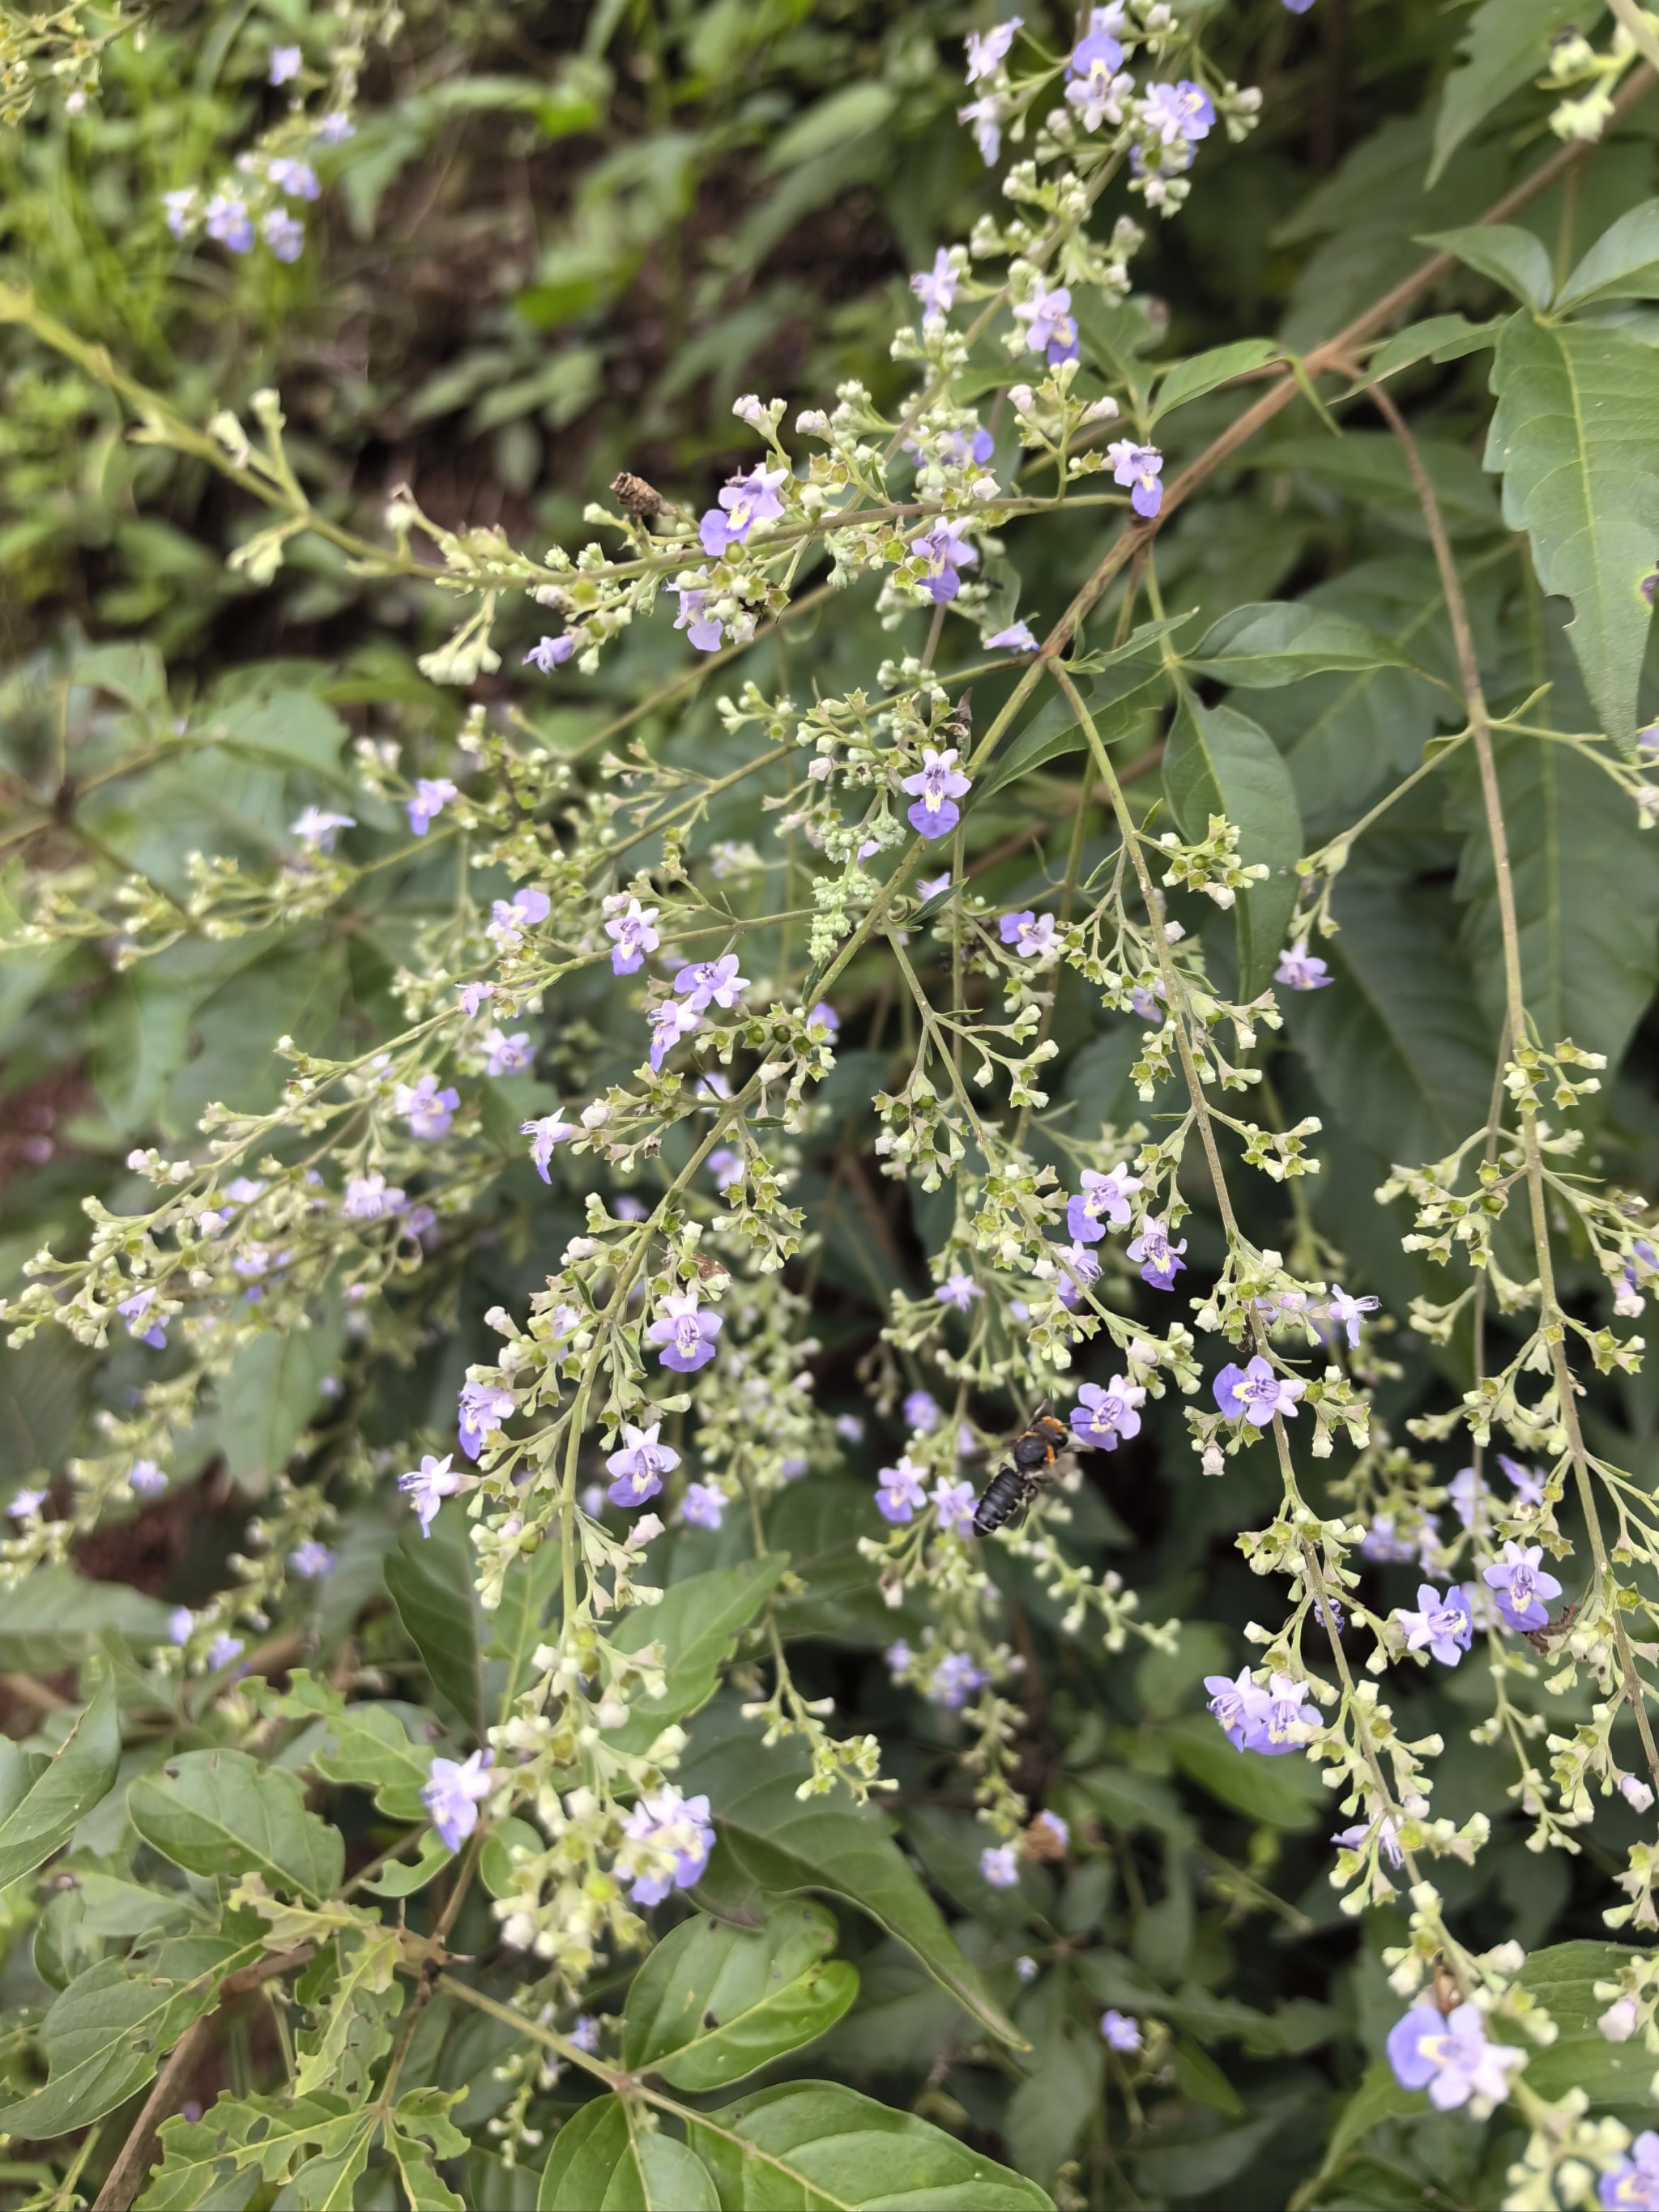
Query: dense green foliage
[[1375, 683]]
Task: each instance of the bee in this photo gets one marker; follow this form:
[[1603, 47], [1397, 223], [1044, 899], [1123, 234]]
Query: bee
[[1012, 1488]]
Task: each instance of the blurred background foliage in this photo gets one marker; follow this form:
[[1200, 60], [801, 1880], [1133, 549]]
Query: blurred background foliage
[[562, 240]]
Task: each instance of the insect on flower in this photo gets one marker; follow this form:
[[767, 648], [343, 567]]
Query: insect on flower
[[1012, 1488]]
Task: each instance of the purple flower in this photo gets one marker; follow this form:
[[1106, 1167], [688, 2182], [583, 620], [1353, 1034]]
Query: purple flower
[[474, 996], [1636, 1794], [936, 786], [900, 1495], [180, 1622], [703, 1505], [1100, 1419], [1253, 1718], [432, 794], [134, 1312], [1522, 1586], [639, 1467], [1256, 1392], [988, 49], [1631, 2185], [702, 631], [1359, 1838], [920, 1411], [825, 1017], [228, 221], [1109, 1194], [26, 1503], [145, 1478], [427, 1486], [1094, 85], [685, 1333], [999, 1865], [182, 208], [482, 1407], [1529, 1483], [548, 1130], [1049, 329], [453, 1795], [224, 1648], [549, 653], [954, 1678], [428, 1110], [311, 1560], [1449, 2055], [725, 1168], [744, 501], [945, 550], [368, 1198], [633, 934], [668, 1840], [585, 2032], [284, 65], [849, 1427], [1300, 970], [711, 983], [1078, 1267], [1017, 638], [508, 920], [936, 288], [672, 1021], [1121, 2030], [1138, 465], [1443, 1624], [316, 829], [1160, 1260], [628, 1207], [954, 1504], [297, 179], [284, 233], [1345, 1312], [1178, 111], [929, 887], [1031, 935], [1298, 7], [334, 129], [959, 1290], [508, 1055]]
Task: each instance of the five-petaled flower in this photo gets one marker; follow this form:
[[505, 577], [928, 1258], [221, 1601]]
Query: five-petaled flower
[[936, 786], [1018, 637], [1267, 1720], [1178, 111], [988, 50], [428, 1110], [955, 1678], [1139, 467], [999, 1865], [1031, 935], [1443, 1624], [134, 1311], [311, 1560], [1050, 329], [481, 1407], [1109, 1194], [1121, 2030], [545, 1132], [672, 1021], [944, 550], [633, 933], [454, 1793], [685, 1333], [900, 1494], [1256, 1392], [954, 1504], [936, 288], [711, 983], [1298, 970], [638, 1468], [507, 1055], [668, 1839], [958, 1289], [1631, 2184], [371, 1197], [744, 501], [509, 919], [550, 652], [427, 1486], [316, 829], [1101, 1418], [1449, 2055], [1159, 1261], [1095, 80], [145, 1478], [285, 63], [432, 794], [1522, 1586], [703, 1505]]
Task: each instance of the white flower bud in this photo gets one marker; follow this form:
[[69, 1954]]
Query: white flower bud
[[596, 1116], [1214, 1461], [1619, 2022]]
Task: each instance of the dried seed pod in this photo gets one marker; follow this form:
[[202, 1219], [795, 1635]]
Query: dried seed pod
[[636, 497]]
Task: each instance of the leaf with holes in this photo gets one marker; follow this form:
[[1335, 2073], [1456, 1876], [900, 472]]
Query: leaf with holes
[[221, 1813]]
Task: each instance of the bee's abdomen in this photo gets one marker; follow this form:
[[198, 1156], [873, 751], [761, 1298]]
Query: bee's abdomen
[[1006, 1494]]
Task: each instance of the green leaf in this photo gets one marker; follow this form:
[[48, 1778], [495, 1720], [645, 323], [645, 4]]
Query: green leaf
[[1219, 762], [419, 2134], [518, 1621], [1505, 46], [713, 2003], [693, 1625], [56, 1618], [1512, 259], [430, 1579], [1437, 337], [1397, 1045], [1049, 2110], [371, 1746], [1121, 691], [1572, 436], [214, 2164], [355, 1997], [495, 1867], [290, 729], [1563, 1980], [1191, 379], [406, 1877], [108, 2031], [1264, 645], [832, 123], [221, 1813], [603, 2161], [272, 1389], [1378, 2098], [826, 2148], [785, 1844], [1622, 264], [1280, 1793], [1586, 898], [40, 1812]]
